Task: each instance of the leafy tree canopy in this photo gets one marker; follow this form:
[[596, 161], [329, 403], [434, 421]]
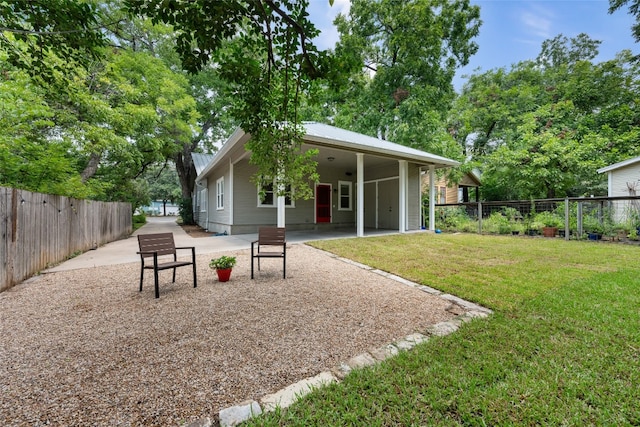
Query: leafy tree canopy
[[402, 57], [263, 49], [543, 128], [31, 31]]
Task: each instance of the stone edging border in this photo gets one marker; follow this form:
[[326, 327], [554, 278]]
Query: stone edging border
[[465, 311]]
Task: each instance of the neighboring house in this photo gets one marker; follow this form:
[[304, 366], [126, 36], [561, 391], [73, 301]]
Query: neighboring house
[[451, 192], [364, 182], [158, 208], [199, 197], [623, 179]]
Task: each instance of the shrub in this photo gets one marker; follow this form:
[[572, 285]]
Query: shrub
[[185, 208]]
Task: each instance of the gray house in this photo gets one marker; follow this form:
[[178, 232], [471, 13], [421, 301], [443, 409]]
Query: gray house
[[365, 183]]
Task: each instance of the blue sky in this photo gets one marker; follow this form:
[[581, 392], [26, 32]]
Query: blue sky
[[513, 30]]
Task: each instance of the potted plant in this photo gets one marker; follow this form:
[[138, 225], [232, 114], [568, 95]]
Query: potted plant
[[550, 223], [223, 266], [593, 227]]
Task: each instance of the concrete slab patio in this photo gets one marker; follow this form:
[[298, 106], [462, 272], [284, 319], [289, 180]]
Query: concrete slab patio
[[124, 251]]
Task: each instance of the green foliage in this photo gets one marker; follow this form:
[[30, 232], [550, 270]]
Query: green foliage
[[455, 219], [497, 223], [139, 220], [544, 127], [222, 263], [549, 219], [164, 184], [185, 209], [410, 51], [264, 52], [35, 31]]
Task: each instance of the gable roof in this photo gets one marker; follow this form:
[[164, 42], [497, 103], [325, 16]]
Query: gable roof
[[201, 160], [323, 135], [619, 165]]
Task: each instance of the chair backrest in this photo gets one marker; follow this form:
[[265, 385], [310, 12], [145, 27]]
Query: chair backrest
[[271, 236], [161, 242]]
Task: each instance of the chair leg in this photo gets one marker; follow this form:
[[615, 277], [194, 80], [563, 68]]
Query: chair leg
[[141, 276], [195, 279], [284, 266], [155, 277], [252, 265]]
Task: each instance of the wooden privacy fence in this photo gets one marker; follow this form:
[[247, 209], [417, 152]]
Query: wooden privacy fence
[[39, 230]]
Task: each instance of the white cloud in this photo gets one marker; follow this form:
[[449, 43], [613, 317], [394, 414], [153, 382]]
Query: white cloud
[[322, 14], [538, 21]]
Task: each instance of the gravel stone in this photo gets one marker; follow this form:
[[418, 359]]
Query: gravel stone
[[84, 347]]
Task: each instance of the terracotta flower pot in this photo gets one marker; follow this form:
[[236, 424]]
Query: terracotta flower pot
[[224, 274], [549, 231]]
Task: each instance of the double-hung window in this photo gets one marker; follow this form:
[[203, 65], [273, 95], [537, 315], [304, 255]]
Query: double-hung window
[[220, 193], [269, 197], [345, 195]]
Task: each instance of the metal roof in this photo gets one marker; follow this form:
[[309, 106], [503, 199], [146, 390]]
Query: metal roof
[[337, 137], [320, 134], [619, 165], [201, 160]]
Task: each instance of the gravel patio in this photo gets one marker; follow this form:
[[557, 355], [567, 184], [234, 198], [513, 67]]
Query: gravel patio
[[84, 347]]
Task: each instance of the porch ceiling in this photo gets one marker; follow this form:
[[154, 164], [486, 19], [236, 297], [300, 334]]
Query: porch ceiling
[[347, 160]]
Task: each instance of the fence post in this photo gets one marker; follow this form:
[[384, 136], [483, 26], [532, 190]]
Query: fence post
[[479, 217], [566, 218], [579, 218]]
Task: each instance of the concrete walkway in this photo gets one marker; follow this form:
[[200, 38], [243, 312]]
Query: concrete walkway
[[124, 251]]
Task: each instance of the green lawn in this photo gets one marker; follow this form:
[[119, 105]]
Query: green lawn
[[563, 347]]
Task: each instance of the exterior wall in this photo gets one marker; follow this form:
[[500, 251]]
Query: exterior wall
[[242, 213], [451, 190], [214, 219], [248, 216], [619, 178]]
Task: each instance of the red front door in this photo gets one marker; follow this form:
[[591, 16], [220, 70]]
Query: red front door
[[323, 203]]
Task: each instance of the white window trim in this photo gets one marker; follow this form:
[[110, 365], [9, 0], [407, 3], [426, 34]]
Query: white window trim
[[292, 203], [340, 195], [203, 199], [220, 194]]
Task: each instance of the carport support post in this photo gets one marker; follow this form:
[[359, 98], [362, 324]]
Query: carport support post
[[432, 198], [402, 200], [360, 195], [280, 201]]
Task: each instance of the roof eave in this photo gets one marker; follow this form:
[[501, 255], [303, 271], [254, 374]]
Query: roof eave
[[619, 165], [439, 162], [226, 147]]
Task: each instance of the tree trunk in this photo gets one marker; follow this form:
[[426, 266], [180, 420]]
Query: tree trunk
[[186, 172], [91, 168]]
